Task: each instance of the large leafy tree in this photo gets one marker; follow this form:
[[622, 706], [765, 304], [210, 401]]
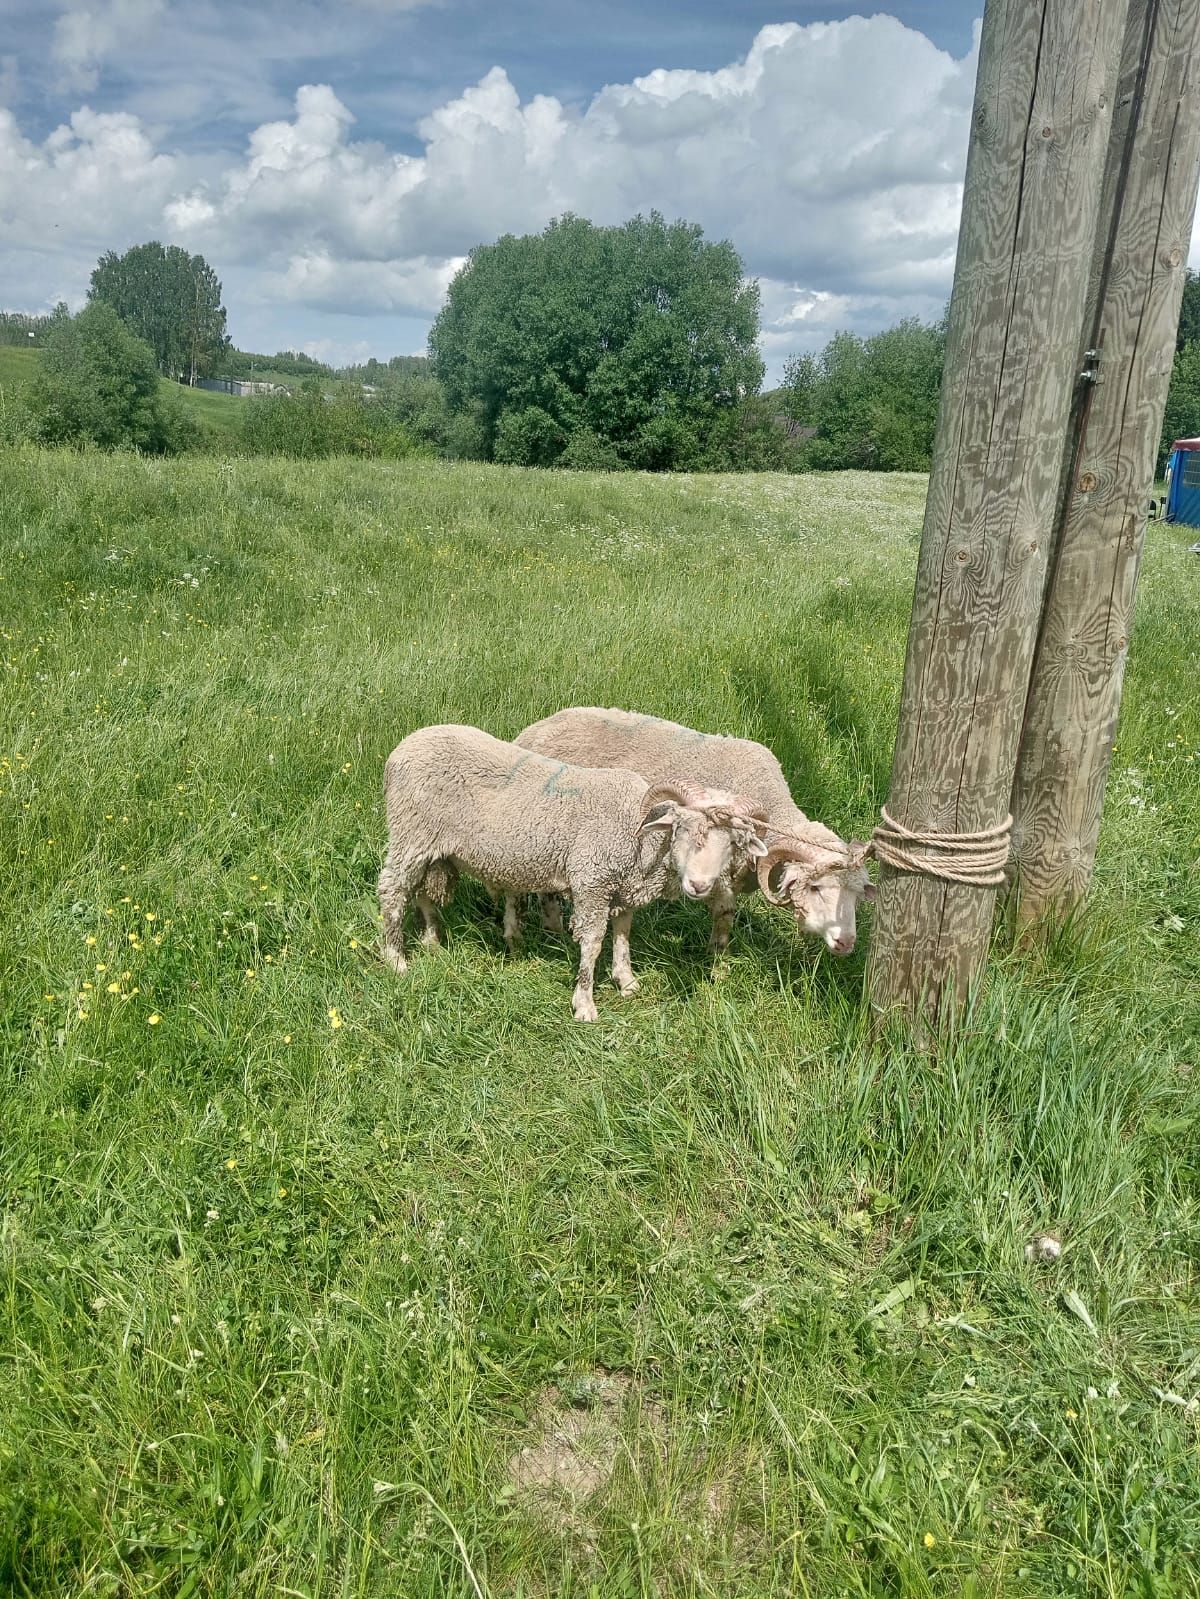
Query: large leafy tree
[[170, 299], [633, 340]]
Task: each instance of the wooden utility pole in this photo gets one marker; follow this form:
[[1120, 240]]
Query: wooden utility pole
[[1141, 253], [1039, 135]]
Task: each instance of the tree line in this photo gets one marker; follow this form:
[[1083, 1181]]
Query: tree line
[[605, 348]]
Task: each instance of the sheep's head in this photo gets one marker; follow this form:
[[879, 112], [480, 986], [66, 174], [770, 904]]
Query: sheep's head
[[714, 835], [821, 884]]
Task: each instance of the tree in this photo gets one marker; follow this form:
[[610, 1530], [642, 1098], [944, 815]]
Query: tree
[[1189, 311], [97, 384], [170, 299], [1181, 419], [638, 336], [873, 401]]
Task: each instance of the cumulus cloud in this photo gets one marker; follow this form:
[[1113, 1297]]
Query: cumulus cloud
[[85, 36], [831, 154]]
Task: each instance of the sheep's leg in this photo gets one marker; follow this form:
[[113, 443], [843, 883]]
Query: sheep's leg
[[432, 934], [552, 916], [396, 883], [588, 921], [621, 969], [513, 935], [721, 904]]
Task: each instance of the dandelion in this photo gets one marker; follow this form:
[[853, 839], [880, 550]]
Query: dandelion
[[151, 916], [90, 940], [354, 943], [283, 1193], [929, 1540], [83, 1015], [287, 1038], [87, 987], [49, 998], [101, 966], [114, 988], [250, 972], [335, 1019], [1071, 1415], [231, 1163], [153, 1019]]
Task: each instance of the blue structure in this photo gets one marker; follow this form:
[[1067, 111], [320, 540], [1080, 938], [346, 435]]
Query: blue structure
[[1183, 483]]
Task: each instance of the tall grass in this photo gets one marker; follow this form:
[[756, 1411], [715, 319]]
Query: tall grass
[[297, 1257]]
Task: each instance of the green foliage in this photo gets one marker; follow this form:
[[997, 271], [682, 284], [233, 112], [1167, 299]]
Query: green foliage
[[314, 423], [1181, 418], [642, 334], [530, 437], [873, 401], [170, 299], [97, 383], [1189, 312], [282, 1302], [285, 363], [27, 331]]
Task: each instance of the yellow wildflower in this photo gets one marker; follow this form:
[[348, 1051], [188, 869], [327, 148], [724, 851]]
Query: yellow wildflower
[[101, 966], [335, 1020], [153, 1019], [90, 940], [250, 972], [929, 1540], [114, 988], [231, 1163]]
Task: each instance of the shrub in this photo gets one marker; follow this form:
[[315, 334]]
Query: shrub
[[97, 383], [586, 451], [530, 437]]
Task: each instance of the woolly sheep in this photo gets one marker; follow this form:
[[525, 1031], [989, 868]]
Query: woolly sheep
[[821, 877], [457, 798]]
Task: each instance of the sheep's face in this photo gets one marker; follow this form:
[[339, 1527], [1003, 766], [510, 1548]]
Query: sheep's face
[[705, 849], [825, 901]]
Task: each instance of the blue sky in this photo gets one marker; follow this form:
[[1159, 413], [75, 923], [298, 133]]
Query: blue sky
[[335, 162]]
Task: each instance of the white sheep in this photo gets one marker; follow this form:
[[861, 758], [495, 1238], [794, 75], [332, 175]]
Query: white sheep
[[821, 876], [457, 798]]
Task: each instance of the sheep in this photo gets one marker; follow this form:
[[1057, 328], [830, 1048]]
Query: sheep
[[459, 799], [821, 877]]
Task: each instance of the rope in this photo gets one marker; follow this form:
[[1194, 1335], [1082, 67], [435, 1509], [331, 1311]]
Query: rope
[[976, 859]]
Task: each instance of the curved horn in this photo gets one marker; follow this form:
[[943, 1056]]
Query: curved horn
[[780, 847], [675, 792]]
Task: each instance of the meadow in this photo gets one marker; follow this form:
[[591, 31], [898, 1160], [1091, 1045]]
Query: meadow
[[318, 1282]]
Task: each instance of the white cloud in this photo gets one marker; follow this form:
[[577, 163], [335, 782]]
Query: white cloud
[[832, 156], [85, 36]]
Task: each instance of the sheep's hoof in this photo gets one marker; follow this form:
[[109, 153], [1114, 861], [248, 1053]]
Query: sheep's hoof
[[393, 958], [585, 1010], [629, 986], [431, 938]]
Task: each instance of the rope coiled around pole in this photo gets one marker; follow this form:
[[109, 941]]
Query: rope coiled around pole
[[977, 860]]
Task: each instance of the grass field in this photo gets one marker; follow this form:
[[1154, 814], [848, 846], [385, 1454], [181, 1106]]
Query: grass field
[[318, 1282], [220, 414]]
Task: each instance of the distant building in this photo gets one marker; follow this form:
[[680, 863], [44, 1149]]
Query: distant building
[[240, 386]]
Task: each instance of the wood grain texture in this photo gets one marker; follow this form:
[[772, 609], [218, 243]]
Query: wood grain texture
[[1071, 715], [1039, 137]]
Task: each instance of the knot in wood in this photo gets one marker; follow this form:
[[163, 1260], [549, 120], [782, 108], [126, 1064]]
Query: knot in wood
[[1047, 133], [1087, 482]]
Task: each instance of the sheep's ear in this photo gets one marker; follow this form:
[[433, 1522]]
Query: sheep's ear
[[658, 816], [756, 849]]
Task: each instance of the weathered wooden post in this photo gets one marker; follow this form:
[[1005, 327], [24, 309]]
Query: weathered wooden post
[[1039, 135], [1141, 253]]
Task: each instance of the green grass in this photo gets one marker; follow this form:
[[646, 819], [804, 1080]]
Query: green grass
[[17, 366], [220, 412], [282, 1300]]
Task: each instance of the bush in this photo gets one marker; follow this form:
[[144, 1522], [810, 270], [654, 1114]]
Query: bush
[[313, 423], [97, 383], [530, 437], [586, 451]]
